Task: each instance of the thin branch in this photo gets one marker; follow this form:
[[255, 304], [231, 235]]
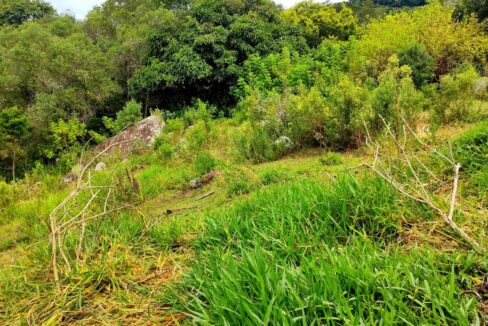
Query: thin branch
[[418, 193]]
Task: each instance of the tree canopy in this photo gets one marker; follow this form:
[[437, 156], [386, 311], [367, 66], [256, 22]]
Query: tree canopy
[[16, 12], [86, 79]]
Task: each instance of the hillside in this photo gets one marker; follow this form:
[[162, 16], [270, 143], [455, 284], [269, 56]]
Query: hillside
[[220, 162]]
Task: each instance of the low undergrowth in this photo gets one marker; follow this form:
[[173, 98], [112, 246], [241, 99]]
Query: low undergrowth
[[297, 241], [309, 254]]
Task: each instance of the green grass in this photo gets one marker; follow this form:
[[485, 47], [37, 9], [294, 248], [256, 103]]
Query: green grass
[[352, 284], [309, 254], [286, 242], [158, 178]]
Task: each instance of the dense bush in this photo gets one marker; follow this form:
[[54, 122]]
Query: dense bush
[[204, 163], [396, 97], [449, 43], [421, 63], [457, 95], [471, 148], [127, 117], [304, 76]]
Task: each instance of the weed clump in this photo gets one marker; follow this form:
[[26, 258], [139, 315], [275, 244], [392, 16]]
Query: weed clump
[[272, 176], [204, 163], [331, 159]]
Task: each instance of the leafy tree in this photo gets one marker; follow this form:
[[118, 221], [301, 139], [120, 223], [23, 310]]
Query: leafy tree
[[54, 69], [13, 136], [466, 8], [320, 21], [65, 141], [421, 63], [401, 3], [16, 12], [121, 29], [449, 43], [130, 115], [199, 56]]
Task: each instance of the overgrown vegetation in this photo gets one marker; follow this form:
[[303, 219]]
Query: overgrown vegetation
[[248, 208]]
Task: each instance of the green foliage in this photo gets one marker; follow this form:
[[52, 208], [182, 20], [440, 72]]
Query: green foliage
[[331, 159], [457, 94], [320, 21], [449, 43], [199, 112], [7, 194], [198, 133], [256, 143], [13, 138], [51, 70], [351, 110], [471, 148], [66, 142], [421, 63], [164, 152], [258, 261], [396, 97], [204, 163], [466, 8], [61, 71], [16, 12], [127, 117], [198, 55], [289, 71], [170, 54], [196, 138]]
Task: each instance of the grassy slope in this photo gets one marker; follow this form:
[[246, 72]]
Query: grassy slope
[[255, 249]]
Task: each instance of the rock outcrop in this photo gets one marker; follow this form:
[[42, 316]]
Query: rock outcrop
[[142, 135]]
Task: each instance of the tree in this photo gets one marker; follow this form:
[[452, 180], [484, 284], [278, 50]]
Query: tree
[[448, 42], [401, 3], [54, 69], [421, 63], [199, 55], [320, 21], [16, 12], [65, 142], [466, 8], [13, 134], [130, 115]]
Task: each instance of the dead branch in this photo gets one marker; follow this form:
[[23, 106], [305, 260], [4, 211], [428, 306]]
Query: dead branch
[[61, 224], [392, 169], [206, 195]]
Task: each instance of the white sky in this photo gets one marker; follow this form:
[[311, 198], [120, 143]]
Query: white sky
[[80, 8]]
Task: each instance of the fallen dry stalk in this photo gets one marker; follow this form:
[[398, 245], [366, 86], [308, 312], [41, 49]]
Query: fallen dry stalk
[[416, 191], [61, 225]]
